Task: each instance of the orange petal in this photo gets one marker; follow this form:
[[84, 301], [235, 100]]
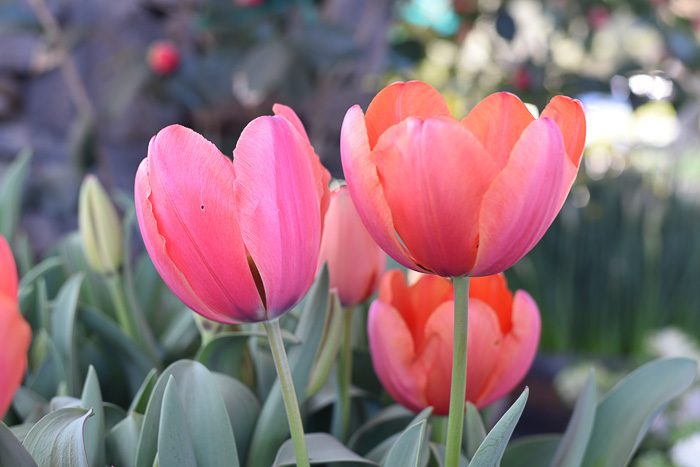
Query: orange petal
[[493, 290], [517, 352], [400, 100], [569, 116], [523, 199], [15, 337], [366, 191], [8, 271], [484, 348], [498, 121], [434, 174]]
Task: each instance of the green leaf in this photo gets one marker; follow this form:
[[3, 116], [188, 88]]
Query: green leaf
[[175, 445], [57, 439], [140, 401], [11, 187], [62, 329], [411, 447], [387, 422], [243, 410], [438, 454], [323, 448], [205, 413], [225, 353], [95, 426], [492, 448], [12, 453], [572, 448], [536, 450], [123, 439], [330, 345], [625, 414], [474, 430], [269, 433]]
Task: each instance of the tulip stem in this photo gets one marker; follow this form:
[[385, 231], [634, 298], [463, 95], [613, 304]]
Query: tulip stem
[[345, 376], [458, 388], [289, 396]]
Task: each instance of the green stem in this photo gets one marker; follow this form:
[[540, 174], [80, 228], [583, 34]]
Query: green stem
[[289, 396], [458, 388], [345, 375]]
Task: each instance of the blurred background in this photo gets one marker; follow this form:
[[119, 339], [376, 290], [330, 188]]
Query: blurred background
[[85, 84]]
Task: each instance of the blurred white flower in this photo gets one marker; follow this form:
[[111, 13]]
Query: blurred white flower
[[686, 452]]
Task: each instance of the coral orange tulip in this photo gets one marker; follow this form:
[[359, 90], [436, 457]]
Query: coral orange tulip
[[410, 336], [235, 241], [15, 333], [458, 198], [355, 261]]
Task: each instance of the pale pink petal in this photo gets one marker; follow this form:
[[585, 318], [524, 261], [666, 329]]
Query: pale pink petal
[[279, 210], [186, 211], [498, 121], [517, 352], [434, 174], [400, 100], [365, 189], [8, 271], [484, 347], [392, 351], [15, 338], [523, 199], [282, 110]]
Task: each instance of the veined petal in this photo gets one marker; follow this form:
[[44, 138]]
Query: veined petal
[[401, 100], [523, 199], [434, 174], [15, 337], [392, 351], [517, 352], [186, 211], [365, 189], [8, 271], [498, 121], [279, 210]]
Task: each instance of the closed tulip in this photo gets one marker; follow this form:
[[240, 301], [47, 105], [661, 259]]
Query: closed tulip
[[355, 261], [15, 333], [235, 241], [457, 198], [410, 337]]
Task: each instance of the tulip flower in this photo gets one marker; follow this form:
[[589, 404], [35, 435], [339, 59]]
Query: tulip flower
[[235, 241], [459, 198], [15, 333], [238, 241], [410, 337], [355, 261]]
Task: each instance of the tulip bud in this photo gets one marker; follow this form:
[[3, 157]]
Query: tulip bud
[[163, 57], [100, 228]]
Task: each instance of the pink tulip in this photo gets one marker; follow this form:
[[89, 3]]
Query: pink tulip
[[15, 333], [457, 198], [235, 241], [410, 337], [355, 262]]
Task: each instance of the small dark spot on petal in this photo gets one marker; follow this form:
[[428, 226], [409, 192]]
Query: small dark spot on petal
[[201, 206]]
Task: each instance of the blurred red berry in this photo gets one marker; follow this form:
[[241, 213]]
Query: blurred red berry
[[522, 79], [598, 16], [163, 57], [248, 3]]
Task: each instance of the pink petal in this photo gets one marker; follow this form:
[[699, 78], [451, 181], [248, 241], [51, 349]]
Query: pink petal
[[15, 338], [291, 116], [8, 271], [185, 208], [400, 100], [279, 208], [366, 191], [355, 261], [517, 352], [569, 116], [498, 121], [484, 347], [434, 173], [523, 199], [392, 351]]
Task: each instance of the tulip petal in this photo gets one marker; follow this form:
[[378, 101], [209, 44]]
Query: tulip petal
[[8, 271], [365, 189], [400, 100], [435, 357], [434, 174], [517, 352], [484, 347], [279, 210], [498, 121], [569, 116], [523, 199], [15, 336], [288, 113], [493, 290], [185, 207], [392, 351]]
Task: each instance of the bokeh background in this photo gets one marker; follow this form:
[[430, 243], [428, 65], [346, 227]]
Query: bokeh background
[[84, 84]]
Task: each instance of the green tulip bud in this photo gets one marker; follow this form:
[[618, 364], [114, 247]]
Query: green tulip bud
[[100, 228]]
